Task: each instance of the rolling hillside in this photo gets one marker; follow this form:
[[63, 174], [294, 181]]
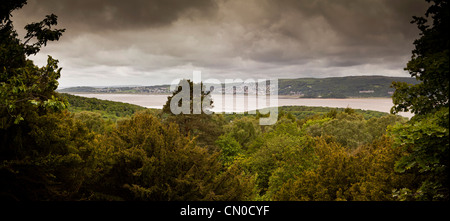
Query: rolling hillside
[[340, 87]]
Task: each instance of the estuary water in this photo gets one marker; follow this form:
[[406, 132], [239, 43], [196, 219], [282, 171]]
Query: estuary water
[[241, 103]]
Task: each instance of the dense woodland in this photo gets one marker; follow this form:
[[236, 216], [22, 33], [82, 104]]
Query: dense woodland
[[63, 147]]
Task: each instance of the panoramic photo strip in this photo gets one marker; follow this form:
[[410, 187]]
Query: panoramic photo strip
[[224, 108]]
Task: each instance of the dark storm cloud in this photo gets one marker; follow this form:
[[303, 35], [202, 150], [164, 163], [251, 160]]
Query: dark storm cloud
[[96, 15], [352, 29], [144, 39]]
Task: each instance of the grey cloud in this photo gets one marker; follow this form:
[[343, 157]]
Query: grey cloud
[[283, 38], [352, 29], [101, 15]]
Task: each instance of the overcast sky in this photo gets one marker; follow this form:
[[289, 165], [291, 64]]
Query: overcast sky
[[150, 42]]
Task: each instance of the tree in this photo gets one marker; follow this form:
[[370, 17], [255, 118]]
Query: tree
[[24, 87], [244, 130], [350, 130], [195, 119], [425, 137], [366, 173], [148, 160], [280, 158], [49, 158], [230, 148], [425, 145], [94, 121], [326, 182], [429, 64], [44, 152]]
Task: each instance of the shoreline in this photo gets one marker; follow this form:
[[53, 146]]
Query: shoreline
[[279, 96], [381, 104], [324, 98], [75, 93]]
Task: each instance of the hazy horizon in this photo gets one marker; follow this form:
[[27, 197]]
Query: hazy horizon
[[169, 83]]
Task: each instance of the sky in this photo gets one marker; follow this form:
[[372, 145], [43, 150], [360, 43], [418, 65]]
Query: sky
[[153, 42]]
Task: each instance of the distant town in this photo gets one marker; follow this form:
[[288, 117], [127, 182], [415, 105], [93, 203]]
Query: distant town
[[336, 87]]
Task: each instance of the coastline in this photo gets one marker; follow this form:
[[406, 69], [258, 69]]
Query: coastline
[[381, 104], [126, 93], [279, 96], [322, 98]]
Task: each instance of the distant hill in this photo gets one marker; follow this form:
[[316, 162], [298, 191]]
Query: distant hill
[[340, 87], [108, 109], [334, 87], [159, 89], [77, 89]]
